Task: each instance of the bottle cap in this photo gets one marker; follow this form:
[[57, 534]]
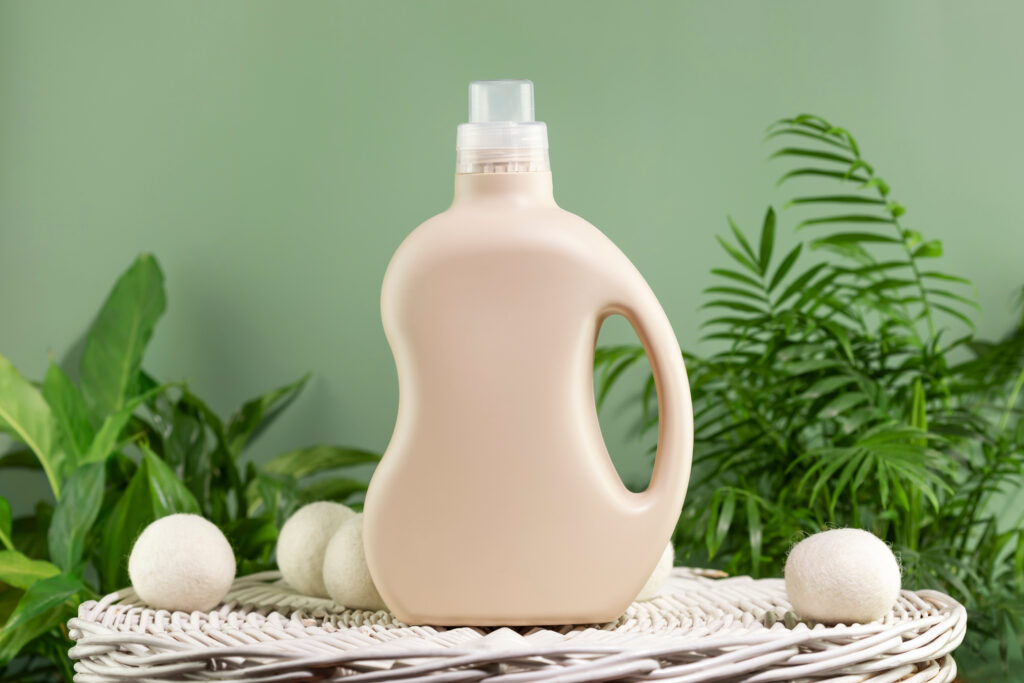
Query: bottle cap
[[501, 135]]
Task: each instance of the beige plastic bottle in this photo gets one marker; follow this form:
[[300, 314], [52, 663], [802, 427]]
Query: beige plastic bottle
[[496, 501]]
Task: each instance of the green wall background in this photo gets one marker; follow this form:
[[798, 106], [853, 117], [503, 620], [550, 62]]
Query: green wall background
[[273, 155]]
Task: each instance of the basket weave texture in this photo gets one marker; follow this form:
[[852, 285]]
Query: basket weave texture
[[699, 629]]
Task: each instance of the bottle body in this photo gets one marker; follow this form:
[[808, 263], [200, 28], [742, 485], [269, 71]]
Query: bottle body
[[496, 501]]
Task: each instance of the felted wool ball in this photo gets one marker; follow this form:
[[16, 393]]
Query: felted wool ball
[[182, 562], [302, 542], [346, 575], [659, 575], [842, 576]]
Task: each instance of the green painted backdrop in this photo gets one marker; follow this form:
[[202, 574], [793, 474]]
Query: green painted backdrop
[[273, 155]]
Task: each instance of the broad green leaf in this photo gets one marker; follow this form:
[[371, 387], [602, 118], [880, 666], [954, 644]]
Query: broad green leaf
[[106, 439], [69, 410], [767, 240], [306, 461], [21, 571], [118, 337], [27, 416], [169, 496], [132, 512], [75, 514], [5, 524], [42, 607], [256, 415]]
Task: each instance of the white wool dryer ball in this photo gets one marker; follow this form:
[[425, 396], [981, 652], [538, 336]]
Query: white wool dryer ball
[[346, 575], [182, 562], [842, 576], [659, 575], [302, 542]]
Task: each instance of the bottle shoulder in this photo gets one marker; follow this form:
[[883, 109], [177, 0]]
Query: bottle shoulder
[[461, 231]]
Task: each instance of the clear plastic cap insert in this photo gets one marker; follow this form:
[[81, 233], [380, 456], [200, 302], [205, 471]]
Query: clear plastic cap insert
[[502, 135]]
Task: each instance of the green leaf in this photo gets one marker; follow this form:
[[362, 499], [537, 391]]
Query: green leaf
[[70, 411], [877, 183], [723, 520], [168, 494], [896, 209], [117, 339], [842, 403], [736, 291], [5, 524], [733, 305], [767, 240], [27, 416], [257, 414], [739, 256], [955, 313], [106, 439], [75, 514], [741, 238], [841, 337], [949, 278], [853, 237], [813, 154], [835, 199], [132, 512], [42, 607], [826, 385], [800, 282], [821, 173], [21, 571], [785, 266], [738, 277], [613, 373], [755, 533], [306, 461], [338, 489], [841, 144], [845, 218]]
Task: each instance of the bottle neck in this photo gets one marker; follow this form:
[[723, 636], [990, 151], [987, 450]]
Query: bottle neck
[[534, 188]]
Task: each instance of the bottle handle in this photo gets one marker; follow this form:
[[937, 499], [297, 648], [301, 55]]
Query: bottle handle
[[674, 454]]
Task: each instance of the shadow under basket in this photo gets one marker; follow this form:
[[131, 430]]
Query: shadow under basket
[[700, 628]]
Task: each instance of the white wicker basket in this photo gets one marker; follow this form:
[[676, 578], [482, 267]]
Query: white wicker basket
[[698, 629]]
